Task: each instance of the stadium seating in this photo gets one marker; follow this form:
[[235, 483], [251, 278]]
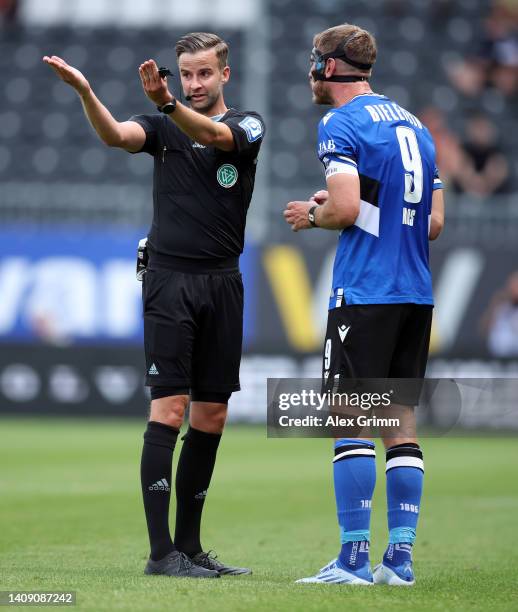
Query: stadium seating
[[44, 138], [416, 42]]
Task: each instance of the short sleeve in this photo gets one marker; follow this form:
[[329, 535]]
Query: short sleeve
[[437, 183], [248, 131], [151, 125], [337, 145]]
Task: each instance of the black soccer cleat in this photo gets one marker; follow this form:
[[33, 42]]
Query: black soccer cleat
[[179, 565], [209, 560]]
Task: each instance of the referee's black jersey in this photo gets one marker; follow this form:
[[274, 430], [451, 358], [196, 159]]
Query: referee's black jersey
[[200, 194]]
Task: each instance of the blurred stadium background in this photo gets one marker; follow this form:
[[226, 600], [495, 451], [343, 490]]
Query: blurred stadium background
[[72, 210]]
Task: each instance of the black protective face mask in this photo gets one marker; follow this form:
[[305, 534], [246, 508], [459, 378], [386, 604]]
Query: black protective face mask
[[319, 60]]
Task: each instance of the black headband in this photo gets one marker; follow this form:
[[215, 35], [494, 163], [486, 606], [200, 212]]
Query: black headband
[[339, 53]]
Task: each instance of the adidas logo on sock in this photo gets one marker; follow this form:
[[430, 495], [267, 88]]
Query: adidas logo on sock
[[201, 495], [160, 485], [152, 370]]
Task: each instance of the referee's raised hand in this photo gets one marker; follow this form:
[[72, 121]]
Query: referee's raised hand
[[155, 86], [70, 75]]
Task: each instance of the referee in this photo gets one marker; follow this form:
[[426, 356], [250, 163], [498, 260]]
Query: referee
[[205, 160]]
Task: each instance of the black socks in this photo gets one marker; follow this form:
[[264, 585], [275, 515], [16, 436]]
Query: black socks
[[155, 476], [193, 474]]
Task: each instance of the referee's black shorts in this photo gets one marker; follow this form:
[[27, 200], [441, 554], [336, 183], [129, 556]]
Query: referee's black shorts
[[193, 330], [376, 341]]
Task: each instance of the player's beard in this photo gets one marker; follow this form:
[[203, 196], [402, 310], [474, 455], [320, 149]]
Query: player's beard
[[321, 93]]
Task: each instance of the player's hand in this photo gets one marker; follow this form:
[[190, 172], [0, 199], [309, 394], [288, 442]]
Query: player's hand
[[70, 75], [320, 197], [296, 214], [155, 87]]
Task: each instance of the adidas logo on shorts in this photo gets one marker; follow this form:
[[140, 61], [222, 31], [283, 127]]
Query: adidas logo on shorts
[[201, 495], [153, 370], [160, 485]]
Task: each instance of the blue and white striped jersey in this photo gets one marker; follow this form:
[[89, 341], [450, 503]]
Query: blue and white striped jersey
[[383, 257]]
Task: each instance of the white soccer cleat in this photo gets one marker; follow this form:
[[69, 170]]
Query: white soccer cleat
[[334, 574], [400, 576]]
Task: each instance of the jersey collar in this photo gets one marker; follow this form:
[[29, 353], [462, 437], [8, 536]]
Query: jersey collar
[[371, 93]]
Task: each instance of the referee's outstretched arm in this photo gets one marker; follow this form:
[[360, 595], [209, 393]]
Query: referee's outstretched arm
[[126, 135]]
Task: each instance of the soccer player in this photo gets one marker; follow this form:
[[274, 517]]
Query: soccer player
[[384, 194], [204, 168]]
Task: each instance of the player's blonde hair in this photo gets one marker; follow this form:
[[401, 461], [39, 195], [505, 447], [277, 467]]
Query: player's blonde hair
[[360, 45], [201, 41]]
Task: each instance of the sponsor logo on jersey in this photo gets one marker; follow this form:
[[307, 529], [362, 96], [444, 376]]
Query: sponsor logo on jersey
[[227, 175], [326, 146], [253, 128]]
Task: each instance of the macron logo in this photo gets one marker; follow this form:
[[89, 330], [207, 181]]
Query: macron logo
[[160, 485], [343, 331], [152, 370]]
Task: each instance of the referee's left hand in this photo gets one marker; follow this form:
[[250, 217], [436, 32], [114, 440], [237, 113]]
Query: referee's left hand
[[155, 87], [296, 214]]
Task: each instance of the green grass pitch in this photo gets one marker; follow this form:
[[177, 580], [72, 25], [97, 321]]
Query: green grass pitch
[[71, 519]]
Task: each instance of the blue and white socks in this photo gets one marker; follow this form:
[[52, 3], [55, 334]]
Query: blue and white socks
[[405, 473], [354, 469]]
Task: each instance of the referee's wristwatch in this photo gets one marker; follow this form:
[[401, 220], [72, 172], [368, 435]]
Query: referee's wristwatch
[[311, 216], [168, 107]]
